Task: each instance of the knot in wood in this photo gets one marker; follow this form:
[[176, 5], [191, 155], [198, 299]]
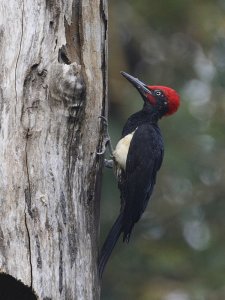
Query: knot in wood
[[66, 84]]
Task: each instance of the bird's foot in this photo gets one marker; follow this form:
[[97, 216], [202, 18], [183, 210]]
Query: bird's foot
[[108, 163], [106, 139]]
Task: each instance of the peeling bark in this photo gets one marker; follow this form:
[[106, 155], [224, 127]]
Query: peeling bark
[[53, 78]]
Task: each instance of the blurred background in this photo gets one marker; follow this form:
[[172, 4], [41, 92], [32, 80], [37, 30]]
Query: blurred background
[[177, 250]]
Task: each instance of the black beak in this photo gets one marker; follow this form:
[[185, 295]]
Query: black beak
[[140, 86]]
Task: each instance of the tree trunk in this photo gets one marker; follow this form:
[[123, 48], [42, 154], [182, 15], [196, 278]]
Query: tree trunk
[[52, 91]]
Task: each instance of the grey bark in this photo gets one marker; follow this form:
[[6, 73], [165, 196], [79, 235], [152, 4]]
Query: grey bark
[[52, 91]]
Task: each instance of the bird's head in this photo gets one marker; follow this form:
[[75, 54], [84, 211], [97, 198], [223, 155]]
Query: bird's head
[[162, 98]]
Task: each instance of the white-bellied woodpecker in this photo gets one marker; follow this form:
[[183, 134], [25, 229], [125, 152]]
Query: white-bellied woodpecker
[[137, 158]]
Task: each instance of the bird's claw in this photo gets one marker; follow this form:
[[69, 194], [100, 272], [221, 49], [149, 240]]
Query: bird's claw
[[107, 140], [104, 119], [108, 163], [103, 148]]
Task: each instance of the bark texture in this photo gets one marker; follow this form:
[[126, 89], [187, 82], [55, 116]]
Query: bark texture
[[52, 91]]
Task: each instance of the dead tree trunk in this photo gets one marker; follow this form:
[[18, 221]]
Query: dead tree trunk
[[52, 91]]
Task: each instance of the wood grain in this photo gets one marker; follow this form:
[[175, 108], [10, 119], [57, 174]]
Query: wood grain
[[53, 58]]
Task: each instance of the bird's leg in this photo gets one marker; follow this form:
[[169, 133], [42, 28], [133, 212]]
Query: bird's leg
[[108, 163], [106, 139], [106, 144]]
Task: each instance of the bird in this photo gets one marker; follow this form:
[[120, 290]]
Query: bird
[[137, 158]]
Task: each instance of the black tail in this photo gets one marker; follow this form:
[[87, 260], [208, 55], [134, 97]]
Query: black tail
[[110, 243]]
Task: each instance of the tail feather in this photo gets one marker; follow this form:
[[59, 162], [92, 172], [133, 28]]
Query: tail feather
[[110, 243]]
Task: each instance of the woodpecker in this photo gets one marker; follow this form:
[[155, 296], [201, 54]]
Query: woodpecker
[[137, 158]]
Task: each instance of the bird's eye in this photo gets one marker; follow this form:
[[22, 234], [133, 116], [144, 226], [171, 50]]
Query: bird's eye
[[158, 93]]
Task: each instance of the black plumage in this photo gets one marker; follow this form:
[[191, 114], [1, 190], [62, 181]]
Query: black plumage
[[144, 158], [136, 183], [143, 161]]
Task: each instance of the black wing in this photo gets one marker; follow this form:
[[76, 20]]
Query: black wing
[[143, 161]]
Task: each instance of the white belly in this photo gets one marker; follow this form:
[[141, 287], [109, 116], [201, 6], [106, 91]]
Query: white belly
[[121, 151]]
